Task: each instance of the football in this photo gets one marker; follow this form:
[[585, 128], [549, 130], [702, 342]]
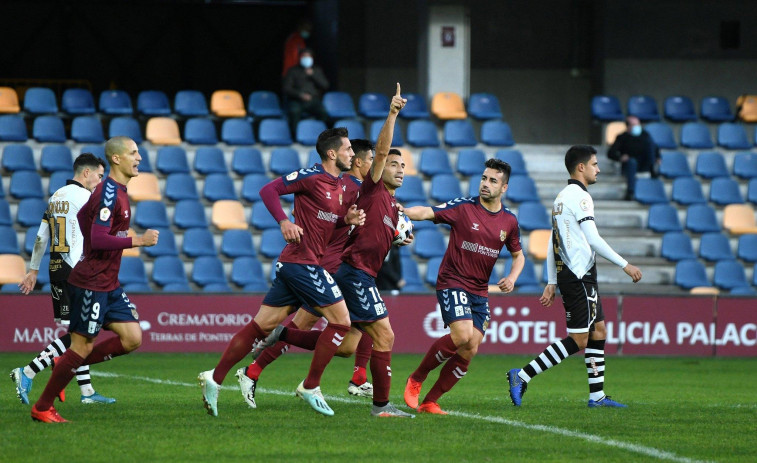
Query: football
[[403, 230]]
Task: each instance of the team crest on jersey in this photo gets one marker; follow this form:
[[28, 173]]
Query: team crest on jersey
[[502, 235], [292, 176], [584, 204], [104, 214]]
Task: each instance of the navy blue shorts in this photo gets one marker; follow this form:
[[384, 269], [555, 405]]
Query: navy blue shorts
[[458, 304], [91, 310], [302, 284], [361, 294]]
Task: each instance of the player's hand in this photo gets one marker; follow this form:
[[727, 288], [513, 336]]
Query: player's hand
[[354, 216], [409, 240], [150, 238], [548, 296], [633, 272], [30, 280], [506, 285], [400, 207], [397, 101], [292, 233]]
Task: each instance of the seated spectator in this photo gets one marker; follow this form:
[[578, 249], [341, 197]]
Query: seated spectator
[[295, 43], [636, 151], [304, 85]]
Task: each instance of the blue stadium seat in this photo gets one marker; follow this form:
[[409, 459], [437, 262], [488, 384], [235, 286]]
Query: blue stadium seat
[[724, 191], [166, 245], [217, 187], [180, 186], [411, 190], [429, 243], [459, 133], [422, 133], [18, 158], [77, 102], [12, 128], [264, 103], [687, 190], [496, 133], [144, 164], [237, 243], [114, 102], [649, 191], [743, 291], [58, 180], [373, 105], [674, 164], [432, 271], [177, 288], [271, 243], [484, 106], [676, 246], [679, 109], [729, 274], [30, 237], [5, 214], [434, 161], [354, 127], [210, 160], [711, 164], [125, 126], [521, 188], [44, 277], [527, 281], [663, 218], [532, 215], [190, 103], [138, 288], [745, 165], [397, 138], [189, 213], [413, 282], [747, 248], [445, 187], [715, 109], [696, 135], [26, 184], [172, 160], [151, 214], [98, 151], [662, 135], [40, 100], [169, 270], [470, 162], [515, 159], [606, 108], [284, 160], [714, 246], [415, 108], [87, 129], [308, 130], [198, 242], [474, 183], [339, 105], [246, 271], [690, 273], [751, 192], [8, 240], [29, 212], [733, 136], [56, 158], [132, 271], [313, 158], [153, 103], [247, 161], [644, 107], [237, 131], [701, 218], [274, 132], [48, 129], [251, 186], [200, 131], [261, 219]]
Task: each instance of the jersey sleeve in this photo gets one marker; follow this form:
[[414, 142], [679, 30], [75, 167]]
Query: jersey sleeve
[[512, 242], [584, 208], [443, 213], [106, 205]]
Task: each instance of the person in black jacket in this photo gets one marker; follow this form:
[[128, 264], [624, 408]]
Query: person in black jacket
[[636, 151], [304, 84]]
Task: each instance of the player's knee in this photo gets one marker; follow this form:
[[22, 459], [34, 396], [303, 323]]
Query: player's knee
[[384, 341], [132, 342], [581, 341]]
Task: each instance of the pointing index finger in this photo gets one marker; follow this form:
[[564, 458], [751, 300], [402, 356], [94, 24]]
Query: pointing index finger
[[398, 90]]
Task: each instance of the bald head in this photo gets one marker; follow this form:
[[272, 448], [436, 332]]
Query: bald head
[[117, 145]]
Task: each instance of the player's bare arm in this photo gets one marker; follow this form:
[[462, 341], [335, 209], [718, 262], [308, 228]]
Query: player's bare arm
[[507, 284], [419, 213], [384, 141], [548, 296], [633, 272]]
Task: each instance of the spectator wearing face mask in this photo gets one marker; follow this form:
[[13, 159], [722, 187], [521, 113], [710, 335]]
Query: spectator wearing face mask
[[303, 86], [296, 42], [636, 152]]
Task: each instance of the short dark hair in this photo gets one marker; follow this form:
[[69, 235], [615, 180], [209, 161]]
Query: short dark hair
[[395, 151], [305, 50], [578, 154], [330, 139], [501, 166], [361, 146], [87, 160]]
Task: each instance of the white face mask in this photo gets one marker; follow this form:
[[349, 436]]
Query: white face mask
[[306, 61], [636, 130]]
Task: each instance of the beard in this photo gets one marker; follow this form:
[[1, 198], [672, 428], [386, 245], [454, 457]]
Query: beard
[[342, 166]]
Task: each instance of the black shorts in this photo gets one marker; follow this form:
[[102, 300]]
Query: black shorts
[[580, 297], [59, 290]]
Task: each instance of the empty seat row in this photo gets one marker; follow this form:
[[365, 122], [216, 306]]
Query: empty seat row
[[713, 246], [728, 275], [710, 164], [700, 218], [696, 135], [687, 190], [676, 108]]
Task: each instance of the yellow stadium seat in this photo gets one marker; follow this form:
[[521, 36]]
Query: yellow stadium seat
[[12, 268], [739, 219], [227, 103], [448, 105], [704, 290], [163, 131], [9, 101], [131, 252], [407, 156], [614, 129], [144, 187], [228, 215], [538, 244], [747, 108]]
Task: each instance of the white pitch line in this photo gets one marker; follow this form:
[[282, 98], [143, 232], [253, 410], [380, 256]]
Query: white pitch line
[[635, 448]]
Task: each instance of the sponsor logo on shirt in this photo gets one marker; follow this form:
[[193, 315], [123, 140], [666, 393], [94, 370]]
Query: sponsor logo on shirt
[[327, 216], [388, 222], [480, 249]]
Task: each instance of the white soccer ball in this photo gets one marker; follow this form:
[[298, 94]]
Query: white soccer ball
[[403, 230]]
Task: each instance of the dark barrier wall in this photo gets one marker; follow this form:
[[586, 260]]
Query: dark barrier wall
[[637, 325]]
